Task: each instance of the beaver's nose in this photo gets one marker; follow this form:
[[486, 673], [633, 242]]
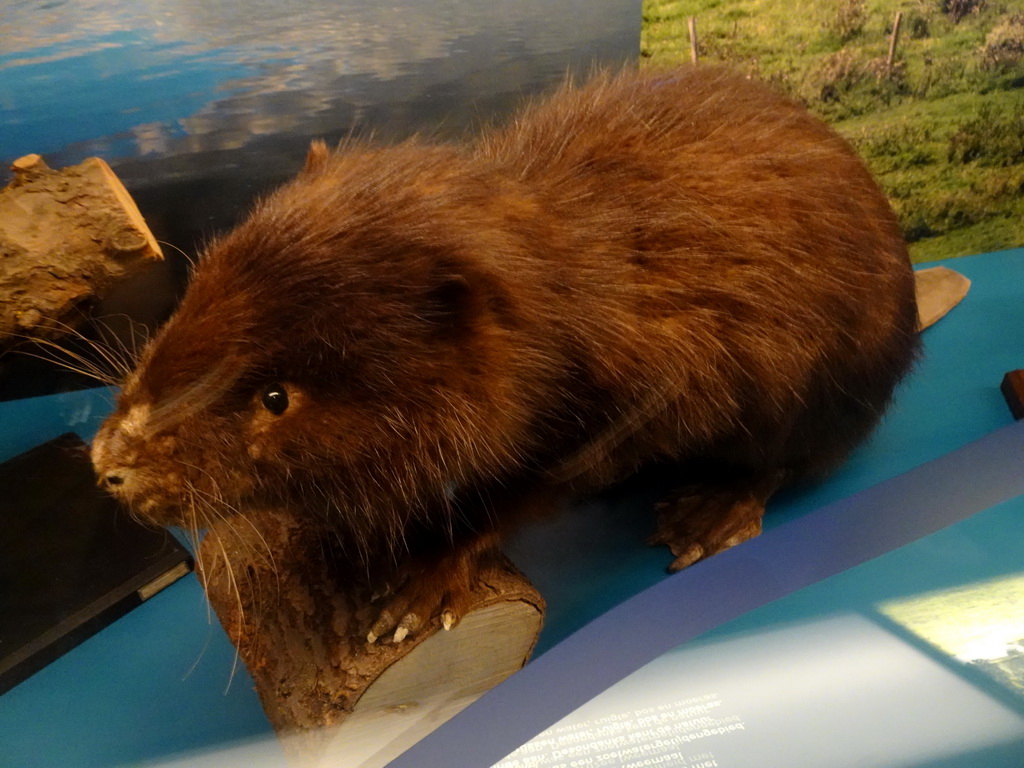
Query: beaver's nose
[[117, 480]]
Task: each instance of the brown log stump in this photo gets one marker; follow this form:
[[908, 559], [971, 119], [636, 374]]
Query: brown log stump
[[66, 237], [331, 696]]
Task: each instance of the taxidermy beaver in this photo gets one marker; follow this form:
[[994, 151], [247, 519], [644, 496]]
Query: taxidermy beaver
[[416, 345]]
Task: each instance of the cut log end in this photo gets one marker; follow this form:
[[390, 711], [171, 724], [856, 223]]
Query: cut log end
[[66, 238], [29, 163], [328, 693]]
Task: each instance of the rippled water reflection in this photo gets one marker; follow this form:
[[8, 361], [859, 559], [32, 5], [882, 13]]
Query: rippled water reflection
[[224, 95], [200, 105]]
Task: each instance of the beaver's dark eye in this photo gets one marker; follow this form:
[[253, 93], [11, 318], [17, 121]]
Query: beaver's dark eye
[[275, 399]]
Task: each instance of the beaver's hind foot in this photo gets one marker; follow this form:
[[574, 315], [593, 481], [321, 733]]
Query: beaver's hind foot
[[704, 518]]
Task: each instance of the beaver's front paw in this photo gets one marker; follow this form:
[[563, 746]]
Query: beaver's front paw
[[429, 589], [423, 597]]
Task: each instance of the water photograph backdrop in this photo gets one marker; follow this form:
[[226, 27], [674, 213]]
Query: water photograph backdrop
[[200, 106]]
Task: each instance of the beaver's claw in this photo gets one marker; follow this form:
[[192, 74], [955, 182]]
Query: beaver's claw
[[438, 588]]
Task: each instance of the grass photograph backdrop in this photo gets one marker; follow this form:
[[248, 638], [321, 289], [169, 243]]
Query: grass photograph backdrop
[[941, 127]]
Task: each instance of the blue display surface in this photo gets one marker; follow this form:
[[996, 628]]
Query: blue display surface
[[131, 693], [911, 658]]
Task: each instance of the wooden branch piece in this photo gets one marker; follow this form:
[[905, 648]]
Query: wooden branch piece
[[65, 238], [938, 290], [301, 631], [1012, 388]]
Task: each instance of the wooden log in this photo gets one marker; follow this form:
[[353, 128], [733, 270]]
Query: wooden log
[[66, 237], [332, 697], [939, 289], [1012, 387]]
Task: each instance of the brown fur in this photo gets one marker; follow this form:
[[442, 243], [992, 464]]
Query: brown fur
[[674, 265]]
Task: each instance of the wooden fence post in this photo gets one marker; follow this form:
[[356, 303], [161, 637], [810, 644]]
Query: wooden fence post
[[893, 39], [692, 23]]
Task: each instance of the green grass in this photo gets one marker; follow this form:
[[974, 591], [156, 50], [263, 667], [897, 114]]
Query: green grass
[[943, 130]]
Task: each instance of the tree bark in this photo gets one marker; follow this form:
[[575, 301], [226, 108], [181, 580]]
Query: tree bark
[[329, 694], [66, 237]]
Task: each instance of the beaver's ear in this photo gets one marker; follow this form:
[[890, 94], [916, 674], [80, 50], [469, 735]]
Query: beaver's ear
[[458, 296], [316, 157]]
